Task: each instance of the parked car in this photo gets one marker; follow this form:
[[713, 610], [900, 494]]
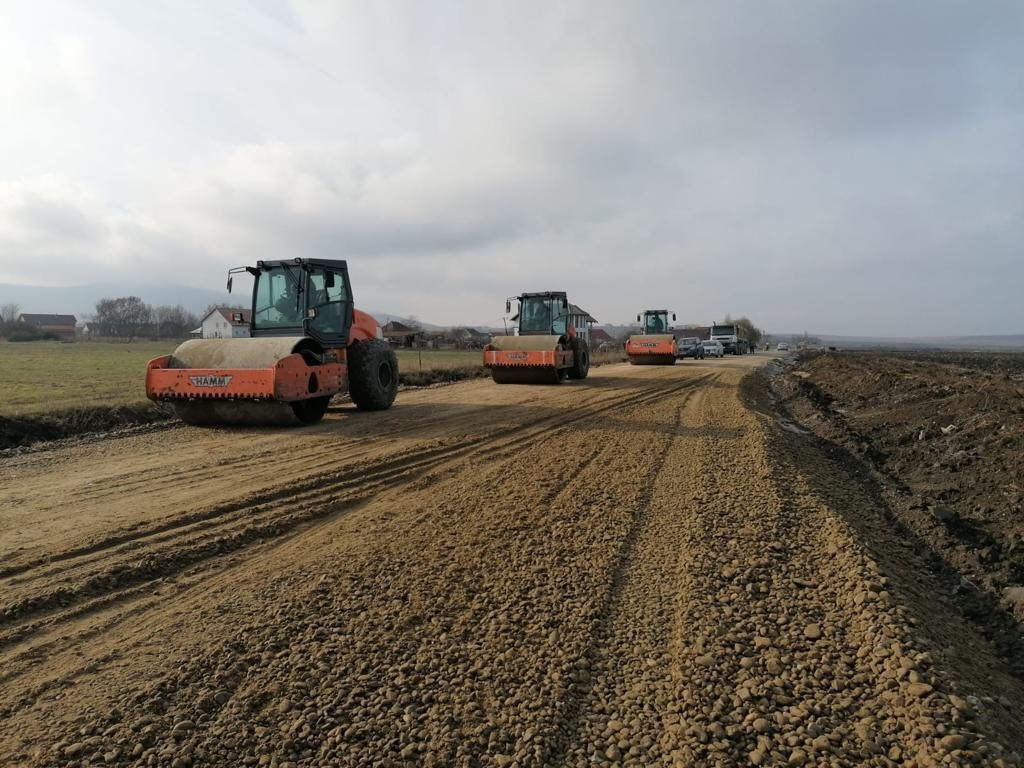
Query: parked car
[[713, 349], [782, 347], [690, 346]]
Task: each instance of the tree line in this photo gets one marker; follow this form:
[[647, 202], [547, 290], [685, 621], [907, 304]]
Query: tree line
[[754, 334], [12, 330], [129, 317], [124, 318]]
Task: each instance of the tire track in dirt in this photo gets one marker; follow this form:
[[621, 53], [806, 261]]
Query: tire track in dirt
[[656, 583], [563, 486], [595, 653], [790, 645], [310, 487], [203, 460], [24, 630], [216, 532]]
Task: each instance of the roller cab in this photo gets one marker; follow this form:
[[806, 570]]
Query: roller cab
[[654, 345], [547, 348], [307, 344]]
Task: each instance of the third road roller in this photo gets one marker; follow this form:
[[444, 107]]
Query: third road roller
[[655, 344]]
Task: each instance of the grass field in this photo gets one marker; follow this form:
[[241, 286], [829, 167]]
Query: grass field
[[434, 359], [42, 376], [47, 376]]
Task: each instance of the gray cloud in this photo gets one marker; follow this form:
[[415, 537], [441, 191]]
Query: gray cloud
[[831, 166]]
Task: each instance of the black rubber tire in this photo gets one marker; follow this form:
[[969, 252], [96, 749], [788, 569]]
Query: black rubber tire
[[581, 360], [372, 374], [524, 375], [312, 410], [652, 359], [252, 413]]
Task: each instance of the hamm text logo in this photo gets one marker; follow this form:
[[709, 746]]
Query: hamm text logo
[[210, 381], [516, 355]]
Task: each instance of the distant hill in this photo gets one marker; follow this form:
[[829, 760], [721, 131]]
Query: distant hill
[[385, 317], [80, 300], [621, 331], [990, 341]]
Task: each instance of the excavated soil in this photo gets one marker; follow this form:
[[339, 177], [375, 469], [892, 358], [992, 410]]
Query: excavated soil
[[944, 435], [643, 569]]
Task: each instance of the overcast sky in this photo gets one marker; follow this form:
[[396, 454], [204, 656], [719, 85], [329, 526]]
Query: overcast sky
[[841, 167]]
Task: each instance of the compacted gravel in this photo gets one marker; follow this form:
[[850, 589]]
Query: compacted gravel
[[642, 569]]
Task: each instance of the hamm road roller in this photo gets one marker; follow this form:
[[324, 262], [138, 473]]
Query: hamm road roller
[[547, 348], [307, 342], [654, 345]]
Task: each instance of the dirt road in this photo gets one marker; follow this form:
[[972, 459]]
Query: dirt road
[[645, 568]]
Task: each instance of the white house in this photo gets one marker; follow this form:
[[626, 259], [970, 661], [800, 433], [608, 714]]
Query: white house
[[582, 319], [226, 323]]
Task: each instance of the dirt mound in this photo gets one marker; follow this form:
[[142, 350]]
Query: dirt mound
[[946, 431], [19, 431], [441, 375]]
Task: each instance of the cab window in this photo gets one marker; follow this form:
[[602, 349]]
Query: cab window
[[328, 295], [560, 317], [279, 301]]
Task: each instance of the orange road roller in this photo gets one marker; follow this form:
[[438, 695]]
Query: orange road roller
[[655, 344], [306, 343], [546, 348]]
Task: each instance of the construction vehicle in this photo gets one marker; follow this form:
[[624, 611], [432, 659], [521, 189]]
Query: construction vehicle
[[732, 337], [655, 344], [307, 343], [546, 348]]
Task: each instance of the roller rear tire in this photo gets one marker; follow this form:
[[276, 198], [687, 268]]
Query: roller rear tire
[[581, 361], [372, 374]]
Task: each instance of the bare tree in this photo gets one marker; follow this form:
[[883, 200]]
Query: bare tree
[[754, 333], [124, 317], [9, 312], [172, 322]]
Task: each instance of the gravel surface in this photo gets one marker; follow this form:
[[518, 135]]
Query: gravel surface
[[643, 569]]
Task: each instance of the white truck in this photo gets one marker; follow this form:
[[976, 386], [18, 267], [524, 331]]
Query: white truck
[[732, 337]]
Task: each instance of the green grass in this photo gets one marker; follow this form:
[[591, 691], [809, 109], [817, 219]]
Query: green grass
[[42, 376], [410, 360]]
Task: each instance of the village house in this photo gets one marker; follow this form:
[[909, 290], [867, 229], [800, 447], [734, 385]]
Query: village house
[[466, 338], [599, 337], [401, 335], [225, 323], [582, 320], [61, 326]]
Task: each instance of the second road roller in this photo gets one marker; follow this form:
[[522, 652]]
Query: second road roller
[[546, 348]]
